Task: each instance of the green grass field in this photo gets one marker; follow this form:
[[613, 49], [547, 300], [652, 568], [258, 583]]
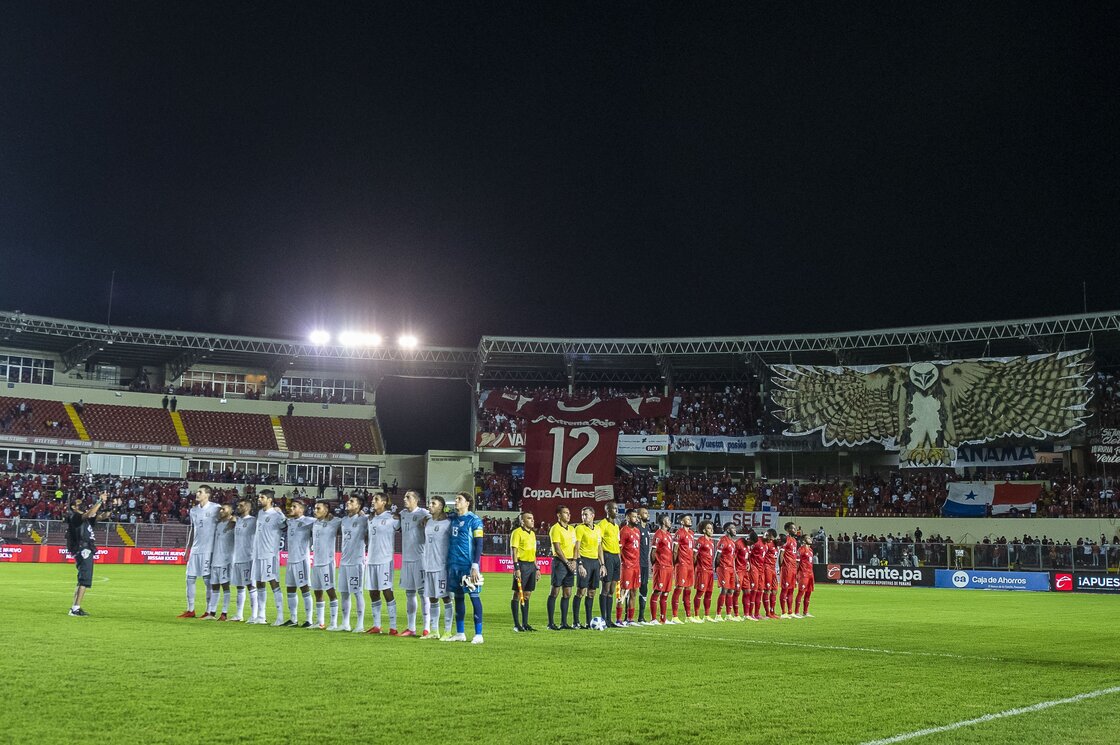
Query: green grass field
[[874, 663]]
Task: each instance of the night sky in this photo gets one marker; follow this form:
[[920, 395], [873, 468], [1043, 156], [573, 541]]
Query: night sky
[[569, 170]]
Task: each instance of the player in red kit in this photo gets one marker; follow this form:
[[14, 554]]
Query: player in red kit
[[789, 570], [661, 546], [756, 557], [805, 580], [725, 573], [684, 559], [705, 574], [770, 566], [629, 547], [742, 575]]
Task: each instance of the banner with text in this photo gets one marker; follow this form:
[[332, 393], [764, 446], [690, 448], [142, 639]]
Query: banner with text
[[759, 521], [727, 445], [1105, 447], [571, 446]]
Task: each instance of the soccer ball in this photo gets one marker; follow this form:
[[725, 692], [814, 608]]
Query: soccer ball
[[598, 623]]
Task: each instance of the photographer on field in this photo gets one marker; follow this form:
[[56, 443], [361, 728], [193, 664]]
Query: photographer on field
[[80, 544]]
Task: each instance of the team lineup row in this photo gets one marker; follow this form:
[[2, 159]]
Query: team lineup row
[[441, 555], [623, 561], [441, 561]]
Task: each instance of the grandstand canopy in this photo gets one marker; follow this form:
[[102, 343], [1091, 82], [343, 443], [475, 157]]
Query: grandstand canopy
[[499, 359]]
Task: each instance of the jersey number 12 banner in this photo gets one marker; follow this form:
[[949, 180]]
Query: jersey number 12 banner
[[571, 447]]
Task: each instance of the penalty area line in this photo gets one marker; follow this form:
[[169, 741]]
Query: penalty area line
[[991, 717], [837, 647]]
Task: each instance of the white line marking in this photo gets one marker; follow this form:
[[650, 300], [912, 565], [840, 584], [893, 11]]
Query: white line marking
[[837, 648], [999, 715]]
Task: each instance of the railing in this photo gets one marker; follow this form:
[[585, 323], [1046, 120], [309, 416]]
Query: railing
[[1012, 556], [53, 533], [1026, 557]]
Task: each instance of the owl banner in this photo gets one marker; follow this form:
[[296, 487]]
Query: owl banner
[[926, 410]]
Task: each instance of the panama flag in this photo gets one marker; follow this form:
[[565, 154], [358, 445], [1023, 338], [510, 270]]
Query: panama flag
[[972, 498], [968, 499]]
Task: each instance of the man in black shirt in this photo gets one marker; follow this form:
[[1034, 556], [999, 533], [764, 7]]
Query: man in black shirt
[[80, 544]]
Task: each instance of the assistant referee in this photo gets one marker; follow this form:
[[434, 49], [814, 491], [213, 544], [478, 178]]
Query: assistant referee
[[523, 551]]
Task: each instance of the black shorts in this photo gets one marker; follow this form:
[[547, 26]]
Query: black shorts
[[85, 569], [561, 575], [643, 570], [613, 563], [528, 571], [589, 579]]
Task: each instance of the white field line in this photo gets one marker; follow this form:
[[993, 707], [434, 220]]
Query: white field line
[[834, 647], [990, 717]]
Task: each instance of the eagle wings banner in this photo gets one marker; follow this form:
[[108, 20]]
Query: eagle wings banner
[[927, 409]]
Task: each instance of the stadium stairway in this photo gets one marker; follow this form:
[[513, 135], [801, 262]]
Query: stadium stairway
[[76, 421], [126, 539], [180, 430], [278, 430]]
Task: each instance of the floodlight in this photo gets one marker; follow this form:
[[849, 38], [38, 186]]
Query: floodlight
[[320, 337], [408, 341]]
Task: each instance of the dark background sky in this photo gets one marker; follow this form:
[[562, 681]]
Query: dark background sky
[[468, 169]]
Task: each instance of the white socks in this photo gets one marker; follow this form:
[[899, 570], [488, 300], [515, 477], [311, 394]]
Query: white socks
[[190, 593], [376, 613], [410, 609], [240, 602], [392, 606], [334, 613], [292, 608], [320, 609]]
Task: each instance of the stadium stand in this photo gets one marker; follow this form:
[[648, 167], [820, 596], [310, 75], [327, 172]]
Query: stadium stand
[[220, 429], [323, 435], [36, 419], [1106, 398], [729, 410], [129, 424], [919, 494]]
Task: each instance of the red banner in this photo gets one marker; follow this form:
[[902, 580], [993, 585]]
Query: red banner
[[571, 446]]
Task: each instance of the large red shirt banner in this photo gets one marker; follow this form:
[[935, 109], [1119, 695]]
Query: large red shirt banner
[[571, 446]]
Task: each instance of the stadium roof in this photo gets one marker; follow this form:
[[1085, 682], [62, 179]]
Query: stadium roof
[[501, 359]]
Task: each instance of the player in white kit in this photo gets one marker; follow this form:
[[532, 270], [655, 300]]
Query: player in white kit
[[324, 536], [266, 556], [383, 525], [204, 519], [351, 563], [244, 532], [221, 561], [298, 574], [437, 536], [412, 555]]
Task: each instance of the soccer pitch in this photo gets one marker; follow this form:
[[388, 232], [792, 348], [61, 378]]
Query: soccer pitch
[[875, 663]]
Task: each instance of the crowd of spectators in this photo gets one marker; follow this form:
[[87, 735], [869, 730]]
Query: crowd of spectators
[[346, 397], [1106, 397], [916, 549], [916, 493], [42, 493], [731, 410]]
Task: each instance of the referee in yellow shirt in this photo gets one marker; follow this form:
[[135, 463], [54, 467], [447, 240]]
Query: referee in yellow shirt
[[563, 538], [523, 551], [612, 563], [589, 561]]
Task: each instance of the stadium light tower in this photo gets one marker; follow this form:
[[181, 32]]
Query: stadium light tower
[[408, 341], [320, 337]]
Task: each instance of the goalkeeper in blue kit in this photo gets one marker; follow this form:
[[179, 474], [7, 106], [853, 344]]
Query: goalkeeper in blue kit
[[464, 552]]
